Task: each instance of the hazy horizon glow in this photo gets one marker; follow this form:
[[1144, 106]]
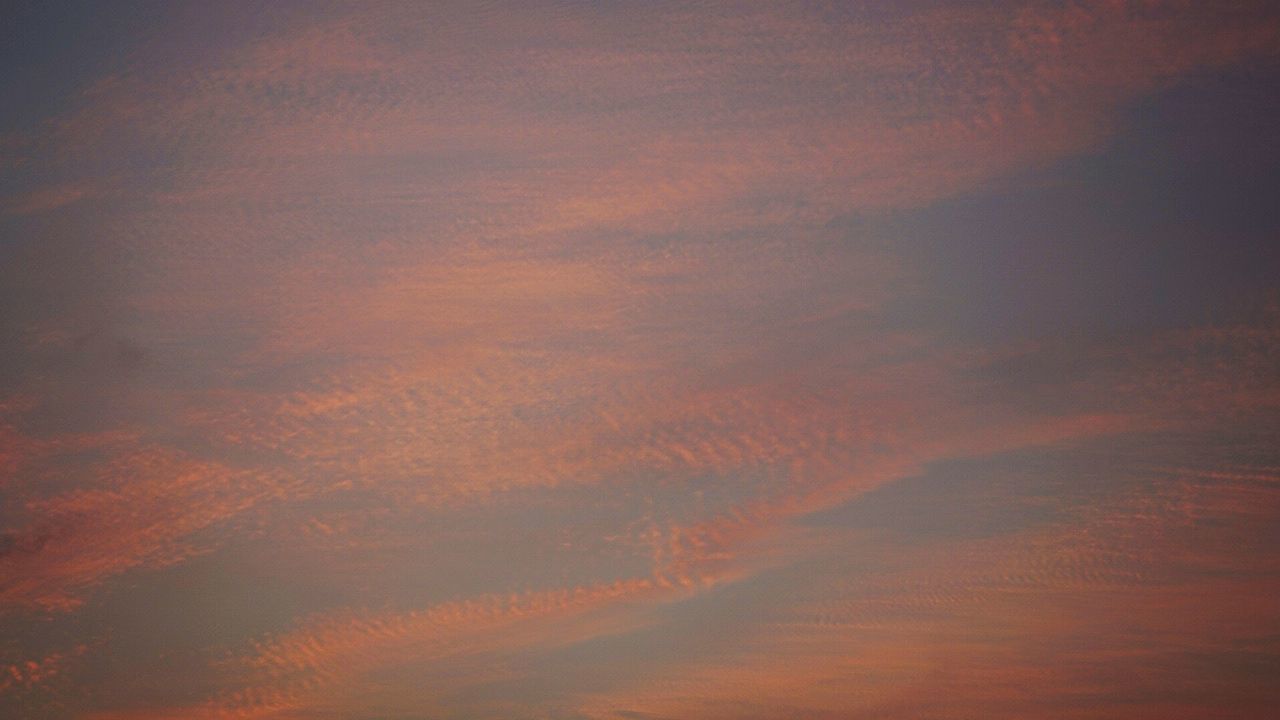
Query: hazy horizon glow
[[640, 361]]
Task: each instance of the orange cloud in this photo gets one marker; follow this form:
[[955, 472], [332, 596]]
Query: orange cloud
[[1113, 610], [141, 512], [390, 277], [20, 676], [312, 666]]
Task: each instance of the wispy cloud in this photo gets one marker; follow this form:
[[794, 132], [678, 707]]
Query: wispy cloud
[[399, 316]]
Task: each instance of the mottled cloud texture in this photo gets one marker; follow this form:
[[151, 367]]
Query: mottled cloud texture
[[620, 361]]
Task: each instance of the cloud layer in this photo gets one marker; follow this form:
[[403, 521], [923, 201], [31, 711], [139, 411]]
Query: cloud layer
[[621, 362]]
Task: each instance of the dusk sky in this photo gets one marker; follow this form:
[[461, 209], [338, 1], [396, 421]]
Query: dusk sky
[[639, 361]]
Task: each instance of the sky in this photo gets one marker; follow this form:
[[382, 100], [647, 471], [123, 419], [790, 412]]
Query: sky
[[639, 361]]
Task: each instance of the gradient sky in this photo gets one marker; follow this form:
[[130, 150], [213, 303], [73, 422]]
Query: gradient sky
[[640, 361]]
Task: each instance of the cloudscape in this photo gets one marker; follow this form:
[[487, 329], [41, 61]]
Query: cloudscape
[[640, 361]]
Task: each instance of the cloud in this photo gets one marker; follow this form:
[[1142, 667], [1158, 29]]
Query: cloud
[[25, 675], [595, 283], [140, 511], [329, 655], [1085, 616], [46, 199]]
